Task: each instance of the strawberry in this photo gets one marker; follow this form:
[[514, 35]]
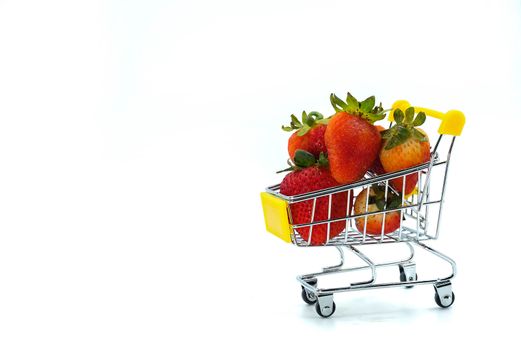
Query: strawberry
[[352, 141], [405, 146], [309, 134], [309, 175], [377, 167], [375, 203]]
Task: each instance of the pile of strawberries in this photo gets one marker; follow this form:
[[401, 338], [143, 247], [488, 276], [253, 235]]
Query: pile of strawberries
[[341, 149]]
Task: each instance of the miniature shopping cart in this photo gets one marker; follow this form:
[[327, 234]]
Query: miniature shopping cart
[[420, 215]]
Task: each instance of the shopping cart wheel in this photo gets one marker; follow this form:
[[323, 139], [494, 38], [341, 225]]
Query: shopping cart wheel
[[403, 278], [446, 301], [308, 296], [408, 273], [444, 295], [325, 306]]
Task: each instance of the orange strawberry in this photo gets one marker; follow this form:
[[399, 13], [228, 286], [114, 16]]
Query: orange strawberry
[[309, 134], [352, 141], [405, 146], [377, 202]]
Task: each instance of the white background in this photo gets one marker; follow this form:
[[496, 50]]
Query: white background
[[135, 137]]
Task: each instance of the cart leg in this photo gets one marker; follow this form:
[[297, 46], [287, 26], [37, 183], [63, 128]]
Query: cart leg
[[444, 296], [325, 305], [408, 272], [442, 256], [339, 265]]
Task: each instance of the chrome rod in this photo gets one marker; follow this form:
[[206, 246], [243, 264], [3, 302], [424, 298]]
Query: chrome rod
[[368, 189], [348, 212], [330, 197], [368, 262], [444, 185], [429, 171], [312, 219], [385, 207], [336, 267], [442, 256]]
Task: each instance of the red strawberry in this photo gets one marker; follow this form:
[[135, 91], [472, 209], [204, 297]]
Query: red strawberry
[[312, 176], [377, 166], [309, 134], [405, 146], [352, 141], [375, 203]]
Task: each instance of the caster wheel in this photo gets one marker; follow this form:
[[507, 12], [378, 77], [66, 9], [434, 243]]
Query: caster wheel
[[330, 311], [404, 279], [446, 301], [308, 297]]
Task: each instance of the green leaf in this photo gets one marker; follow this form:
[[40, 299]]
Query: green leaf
[[401, 135], [376, 192], [317, 115], [385, 134], [374, 117], [409, 115], [368, 104], [287, 128], [391, 143], [303, 158], [304, 130], [352, 101], [418, 135], [381, 110], [295, 122], [398, 116], [419, 120], [323, 121], [305, 118], [322, 160], [394, 202], [334, 104], [380, 203], [337, 103], [284, 170]]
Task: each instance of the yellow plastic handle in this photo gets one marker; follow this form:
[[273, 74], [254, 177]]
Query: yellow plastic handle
[[276, 216], [452, 122]]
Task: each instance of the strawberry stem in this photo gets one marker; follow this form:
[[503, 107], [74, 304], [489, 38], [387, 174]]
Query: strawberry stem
[[309, 120], [404, 128], [365, 109], [304, 159], [393, 200]]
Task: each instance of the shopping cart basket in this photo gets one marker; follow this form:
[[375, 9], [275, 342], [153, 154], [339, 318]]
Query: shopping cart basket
[[420, 220]]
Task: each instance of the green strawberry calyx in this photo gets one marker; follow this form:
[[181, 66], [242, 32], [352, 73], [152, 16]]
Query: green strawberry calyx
[[365, 109], [304, 159], [394, 201], [404, 128], [308, 121]]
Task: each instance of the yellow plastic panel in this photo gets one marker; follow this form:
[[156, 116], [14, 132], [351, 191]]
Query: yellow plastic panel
[[276, 216], [452, 122]]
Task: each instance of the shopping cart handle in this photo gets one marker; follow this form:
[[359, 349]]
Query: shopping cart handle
[[452, 122]]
